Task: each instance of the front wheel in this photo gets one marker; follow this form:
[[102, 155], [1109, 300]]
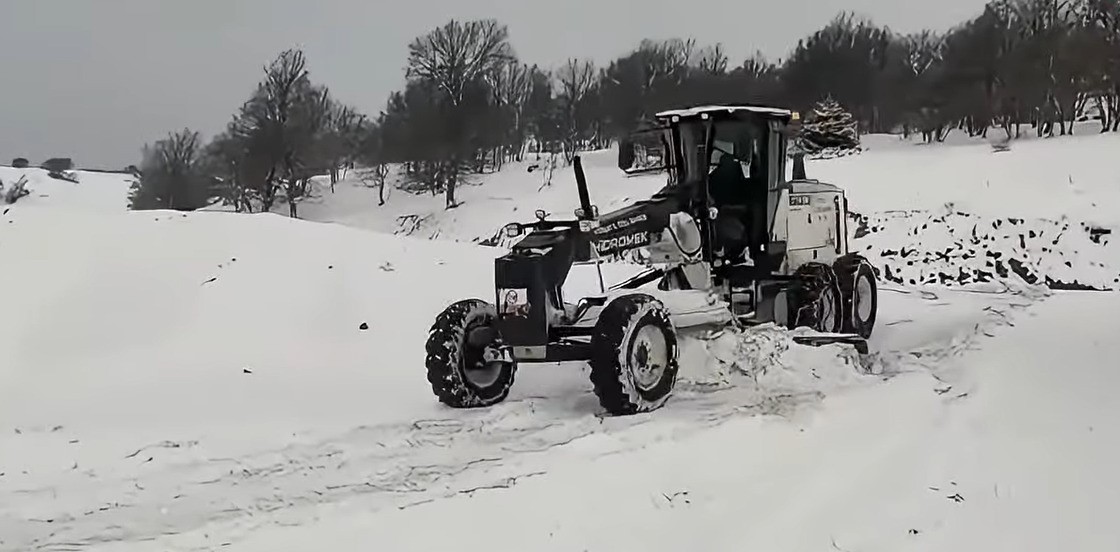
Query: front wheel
[[634, 355], [463, 364]]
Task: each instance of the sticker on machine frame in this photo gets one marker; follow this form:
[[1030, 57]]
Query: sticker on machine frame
[[799, 200], [514, 302]]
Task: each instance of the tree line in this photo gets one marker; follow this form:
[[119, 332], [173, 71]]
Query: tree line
[[470, 104]]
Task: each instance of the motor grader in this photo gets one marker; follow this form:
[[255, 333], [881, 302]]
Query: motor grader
[[729, 240]]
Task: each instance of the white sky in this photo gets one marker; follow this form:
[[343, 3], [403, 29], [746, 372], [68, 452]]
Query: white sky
[[96, 79]]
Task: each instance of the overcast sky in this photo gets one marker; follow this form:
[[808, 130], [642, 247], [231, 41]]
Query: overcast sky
[[96, 79]]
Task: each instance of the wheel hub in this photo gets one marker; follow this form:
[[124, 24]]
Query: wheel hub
[[483, 357], [649, 357], [863, 299]]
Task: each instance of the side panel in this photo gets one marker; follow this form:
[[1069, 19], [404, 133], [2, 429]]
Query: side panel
[[520, 298], [633, 227], [815, 227]]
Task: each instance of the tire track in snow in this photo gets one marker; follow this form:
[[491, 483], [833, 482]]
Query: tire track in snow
[[211, 501]]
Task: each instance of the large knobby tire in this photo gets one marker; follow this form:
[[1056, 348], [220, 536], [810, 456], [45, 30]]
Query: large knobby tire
[[859, 292], [634, 355], [816, 302], [458, 375]]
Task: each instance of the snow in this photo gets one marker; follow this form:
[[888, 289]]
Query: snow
[[103, 192], [201, 381], [486, 202], [1072, 176], [694, 111]]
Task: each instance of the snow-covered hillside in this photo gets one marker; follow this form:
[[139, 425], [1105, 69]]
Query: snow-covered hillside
[[210, 380], [1043, 211], [94, 191]]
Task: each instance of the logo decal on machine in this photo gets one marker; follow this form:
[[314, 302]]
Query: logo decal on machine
[[515, 302], [620, 224], [620, 243]]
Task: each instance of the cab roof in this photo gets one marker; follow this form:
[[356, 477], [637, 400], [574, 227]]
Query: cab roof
[[723, 110]]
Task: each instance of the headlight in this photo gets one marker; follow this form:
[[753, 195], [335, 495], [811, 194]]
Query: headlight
[[579, 212], [513, 230]]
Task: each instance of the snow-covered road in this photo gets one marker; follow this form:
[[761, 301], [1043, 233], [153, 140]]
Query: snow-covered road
[[176, 495], [1015, 449]]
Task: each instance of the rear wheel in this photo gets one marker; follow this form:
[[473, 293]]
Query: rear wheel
[[634, 357], [463, 365], [859, 294], [816, 299]]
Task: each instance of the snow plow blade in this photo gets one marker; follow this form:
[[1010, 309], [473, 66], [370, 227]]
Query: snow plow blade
[[695, 312], [817, 340]]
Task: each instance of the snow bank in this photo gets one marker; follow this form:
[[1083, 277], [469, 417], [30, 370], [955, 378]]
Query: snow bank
[[139, 328], [101, 192]]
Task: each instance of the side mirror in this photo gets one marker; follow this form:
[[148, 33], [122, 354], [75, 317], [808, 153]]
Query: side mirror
[[642, 151]]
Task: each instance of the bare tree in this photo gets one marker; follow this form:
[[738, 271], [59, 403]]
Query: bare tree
[[712, 60], [171, 178], [454, 58], [262, 123], [283, 134], [340, 138], [577, 82], [510, 86]]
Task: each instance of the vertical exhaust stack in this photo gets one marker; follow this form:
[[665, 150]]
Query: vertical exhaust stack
[[799, 166], [581, 186]]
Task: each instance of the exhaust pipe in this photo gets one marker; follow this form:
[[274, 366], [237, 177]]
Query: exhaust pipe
[[799, 166], [581, 186]]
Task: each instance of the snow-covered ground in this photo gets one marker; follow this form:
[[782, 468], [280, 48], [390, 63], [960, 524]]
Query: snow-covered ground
[[94, 191], [203, 381], [1015, 451], [1072, 177]]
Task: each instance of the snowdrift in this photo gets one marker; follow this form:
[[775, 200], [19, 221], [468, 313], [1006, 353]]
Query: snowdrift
[[94, 191]]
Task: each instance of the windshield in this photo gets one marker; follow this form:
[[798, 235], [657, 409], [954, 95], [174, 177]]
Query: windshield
[[739, 140]]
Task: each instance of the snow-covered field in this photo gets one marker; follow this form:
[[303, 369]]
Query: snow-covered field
[[203, 381]]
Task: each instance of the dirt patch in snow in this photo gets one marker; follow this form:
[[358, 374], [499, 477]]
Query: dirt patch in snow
[[953, 248]]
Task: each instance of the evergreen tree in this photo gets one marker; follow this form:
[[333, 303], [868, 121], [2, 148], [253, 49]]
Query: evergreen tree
[[828, 127]]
